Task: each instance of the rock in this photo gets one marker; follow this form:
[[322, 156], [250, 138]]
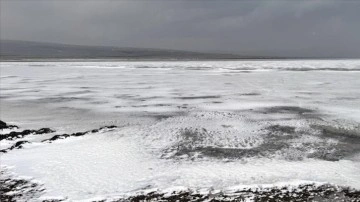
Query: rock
[[17, 145], [3, 125], [14, 135]]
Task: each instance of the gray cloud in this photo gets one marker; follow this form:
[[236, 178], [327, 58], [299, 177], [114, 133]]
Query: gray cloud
[[278, 28]]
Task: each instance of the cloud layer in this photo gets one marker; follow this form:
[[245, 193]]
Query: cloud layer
[[275, 28]]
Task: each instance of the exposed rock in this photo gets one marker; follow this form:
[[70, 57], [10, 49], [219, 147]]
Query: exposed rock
[[14, 135], [4, 125], [307, 192], [63, 136], [16, 189], [17, 145]]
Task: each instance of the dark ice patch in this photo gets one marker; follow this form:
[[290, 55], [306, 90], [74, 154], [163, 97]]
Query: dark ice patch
[[278, 141], [161, 116], [77, 92], [319, 69], [249, 94], [342, 134], [346, 98], [288, 109], [309, 93], [199, 97], [231, 153], [348, 143], [154, 105], [282, 129], [191, 139], [291, 110], [62, 99]]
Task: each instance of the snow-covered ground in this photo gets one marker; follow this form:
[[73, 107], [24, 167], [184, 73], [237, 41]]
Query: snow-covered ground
[[202, 125]]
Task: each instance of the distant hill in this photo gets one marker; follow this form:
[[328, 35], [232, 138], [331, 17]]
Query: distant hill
[[10, 49]]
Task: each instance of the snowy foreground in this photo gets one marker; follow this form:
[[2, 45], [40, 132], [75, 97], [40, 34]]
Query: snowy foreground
[[116, 130]]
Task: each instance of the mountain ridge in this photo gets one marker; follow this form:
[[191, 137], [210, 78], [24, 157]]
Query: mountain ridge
[[15, 49]]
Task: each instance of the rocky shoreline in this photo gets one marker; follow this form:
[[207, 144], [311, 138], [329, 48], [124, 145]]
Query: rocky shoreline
[[17, 189], [13, 135]]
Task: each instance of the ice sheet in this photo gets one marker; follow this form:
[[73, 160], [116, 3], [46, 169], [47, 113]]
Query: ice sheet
[[194, 124]]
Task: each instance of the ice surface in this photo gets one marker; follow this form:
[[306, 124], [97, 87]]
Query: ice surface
[[195, 124]]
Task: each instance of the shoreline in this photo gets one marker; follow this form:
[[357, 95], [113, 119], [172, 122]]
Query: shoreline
[[19, 188]]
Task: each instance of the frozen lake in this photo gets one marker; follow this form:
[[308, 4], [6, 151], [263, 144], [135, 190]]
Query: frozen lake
[[200, 125]]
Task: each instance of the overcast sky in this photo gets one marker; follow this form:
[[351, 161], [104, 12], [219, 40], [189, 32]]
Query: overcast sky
[[277, 28]]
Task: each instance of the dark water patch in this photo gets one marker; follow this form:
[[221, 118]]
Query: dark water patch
[[304, 192], [199, 97]]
